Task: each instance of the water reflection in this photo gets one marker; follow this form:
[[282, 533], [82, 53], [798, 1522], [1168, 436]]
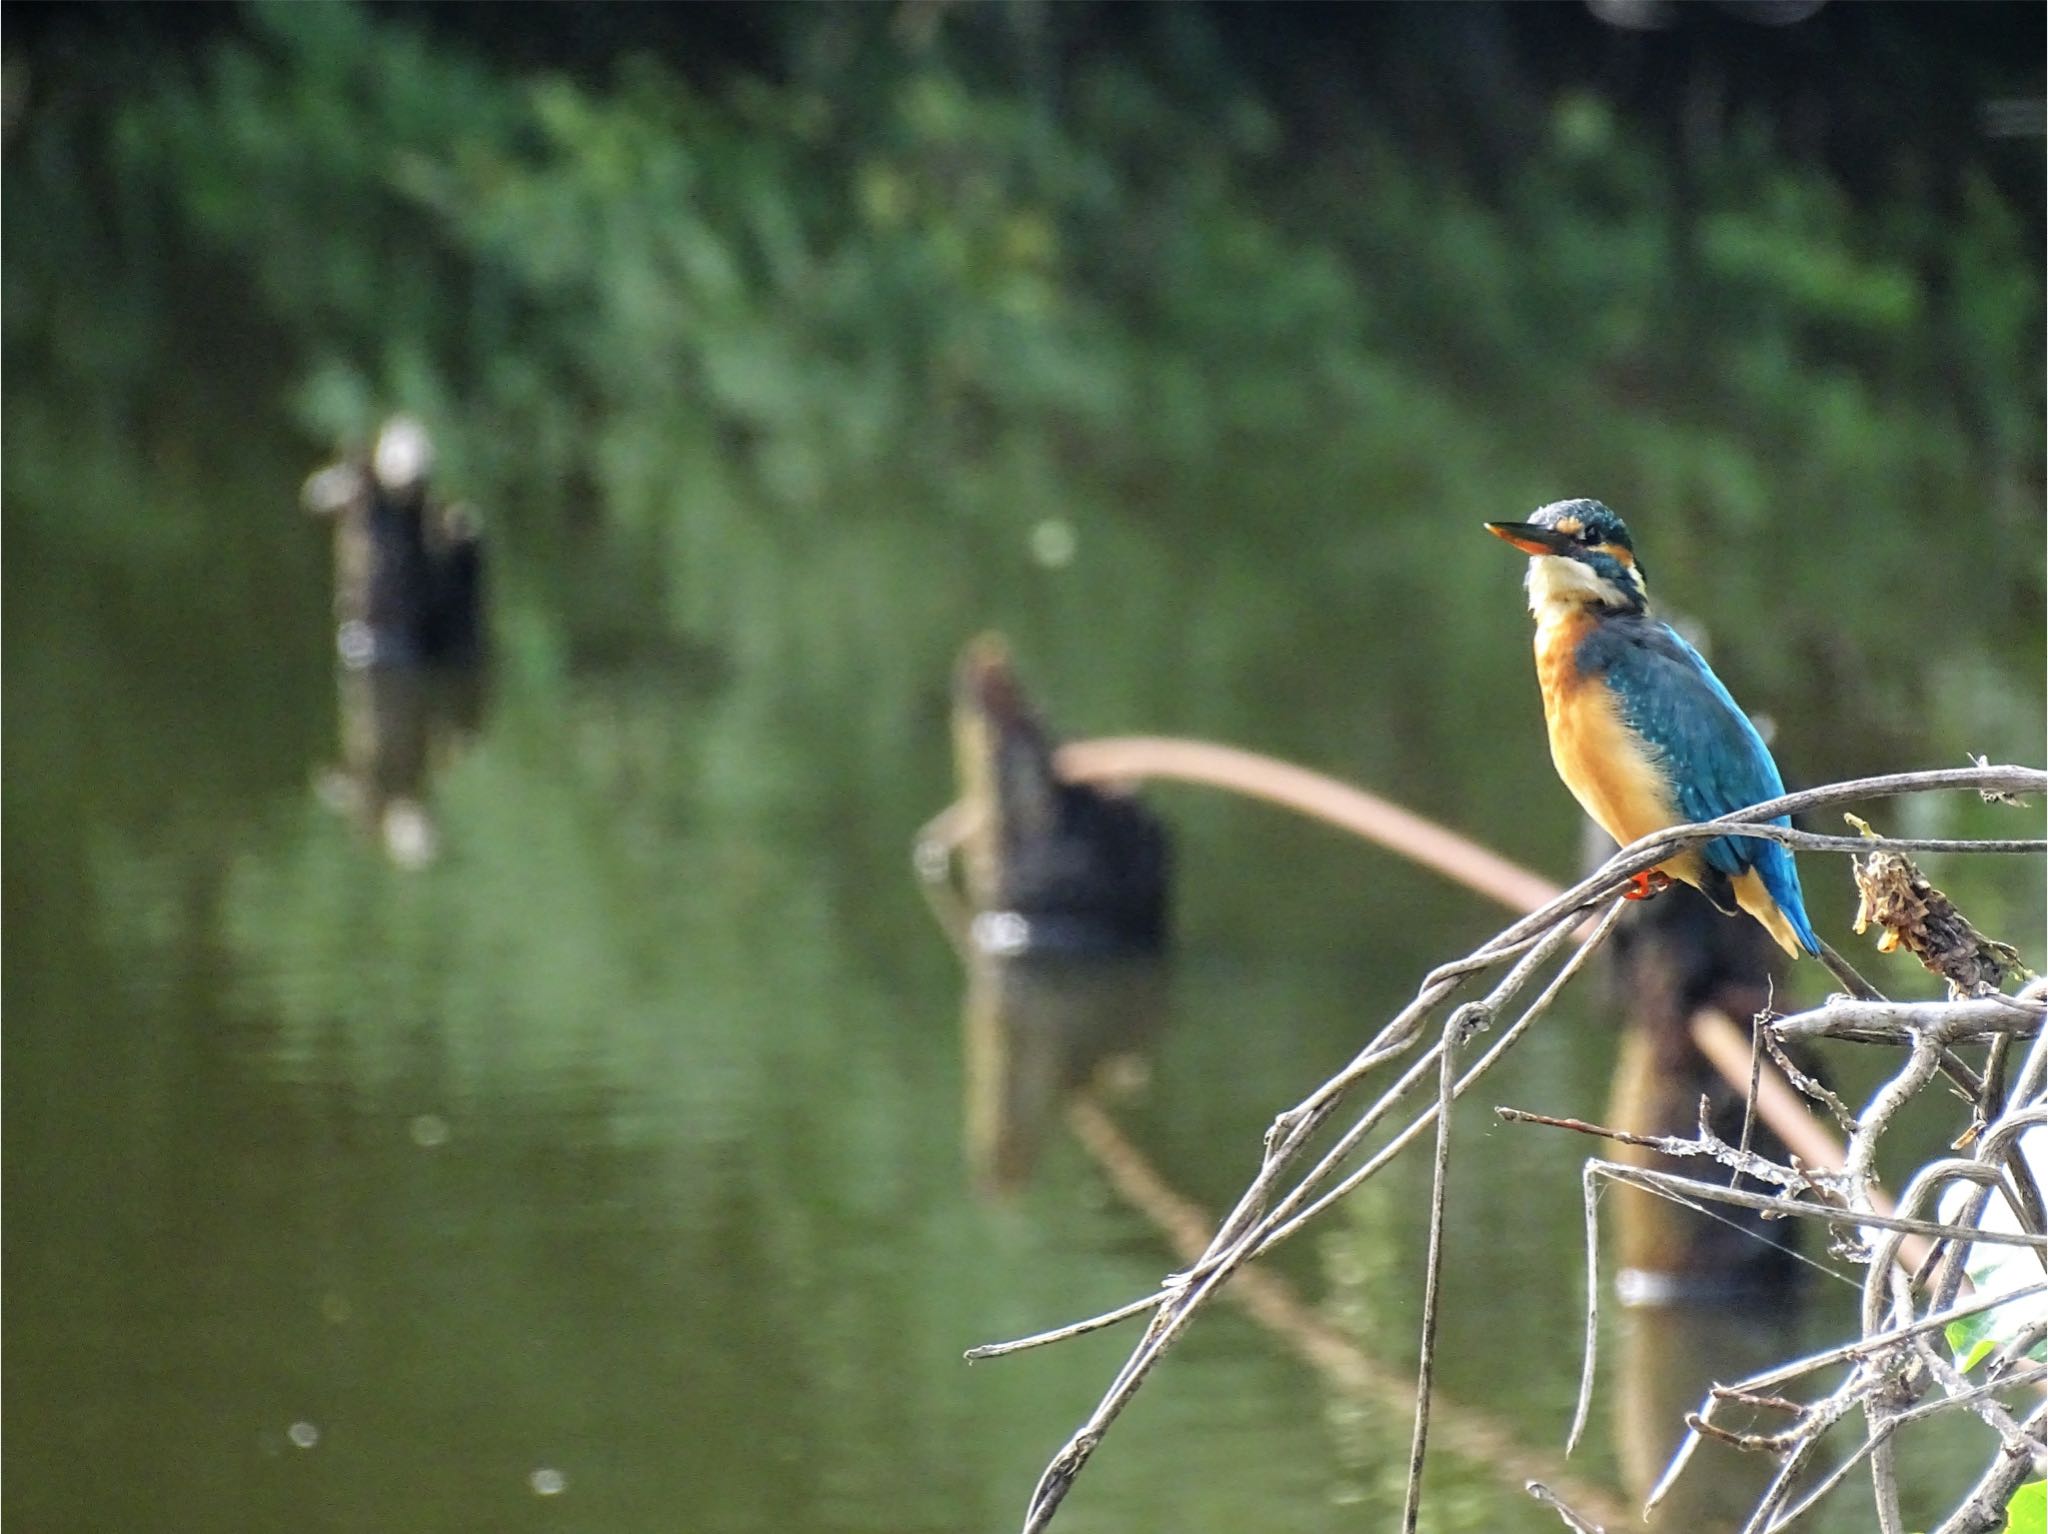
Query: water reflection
[[1667, 1358], [409, 635], [1709, 1293], [1037, 1029], [1058, 914], [399, 726], [1674, 957]]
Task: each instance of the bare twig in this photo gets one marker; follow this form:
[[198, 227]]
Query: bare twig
[[1984, 1509], [1687, 1187], [1753, 1399], [1966, 1397], [1588, 1357], [1137, 1307], [1273, 1207], [1708, 1144], [1463, 1021], [1877, 1342], [1576, 1522], [1817, 1091], [1896, 1022]]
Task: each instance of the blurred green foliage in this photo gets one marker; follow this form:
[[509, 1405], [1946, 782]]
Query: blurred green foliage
[[929, 270], [898, 246]]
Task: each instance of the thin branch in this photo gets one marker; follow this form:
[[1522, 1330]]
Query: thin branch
[[1136, 1307], [1757, 1402], [1750, 1443], [1270, 1208], [1906, 1022], [2023, 1342], [1588, 1355], [1842, 1471], [1666, 1182], [1878, 1342], [1984, 1509], [1821, 841], [1993, 778], [1816, 1091], [1462, 1021], [1576, 1522], [1745, 1163]]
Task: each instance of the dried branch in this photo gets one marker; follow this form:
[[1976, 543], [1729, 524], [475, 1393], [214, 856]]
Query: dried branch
[[1578, 1523], [1463, 1021], [1272, 1206], [1968, 1396], [1984, 1509], [1897, 1362], [1686, 1189], [1815, 1091], [1748, 1163], [1894, 1022]]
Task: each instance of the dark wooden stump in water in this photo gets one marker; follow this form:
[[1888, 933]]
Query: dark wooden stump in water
[[1673, 957], [1050, 865], [408, 570], [409, 635]]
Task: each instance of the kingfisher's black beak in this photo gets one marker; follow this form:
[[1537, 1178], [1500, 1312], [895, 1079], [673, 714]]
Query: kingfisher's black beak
[[1533, 538]]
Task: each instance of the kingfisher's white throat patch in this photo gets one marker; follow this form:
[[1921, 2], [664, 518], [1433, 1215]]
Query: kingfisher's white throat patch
[[1556, 584]]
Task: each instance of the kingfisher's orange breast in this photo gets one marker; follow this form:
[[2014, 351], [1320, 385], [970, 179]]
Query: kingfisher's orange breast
[[1606, 765]]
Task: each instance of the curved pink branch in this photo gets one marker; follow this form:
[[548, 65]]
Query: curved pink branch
[[1457, 858]]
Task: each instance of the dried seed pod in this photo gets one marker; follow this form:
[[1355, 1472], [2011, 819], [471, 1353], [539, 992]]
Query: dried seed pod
[[1914, 915]]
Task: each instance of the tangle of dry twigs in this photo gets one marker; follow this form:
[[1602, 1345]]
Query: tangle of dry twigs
[[1893, 1367], [1899, 1371]]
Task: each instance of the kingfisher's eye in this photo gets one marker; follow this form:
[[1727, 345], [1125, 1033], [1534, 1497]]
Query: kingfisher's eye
[[1587, 536]]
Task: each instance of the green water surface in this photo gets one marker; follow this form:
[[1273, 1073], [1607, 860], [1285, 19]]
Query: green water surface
[[639, 1163]]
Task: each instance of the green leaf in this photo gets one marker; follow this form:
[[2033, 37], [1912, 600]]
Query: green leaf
[[1992, 1269], [2027, 1512], [1969, 1339]]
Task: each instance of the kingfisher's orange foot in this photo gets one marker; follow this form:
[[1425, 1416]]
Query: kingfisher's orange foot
[[1651, 881]]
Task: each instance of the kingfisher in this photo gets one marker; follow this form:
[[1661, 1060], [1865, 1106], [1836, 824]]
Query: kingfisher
[[1641, 730]]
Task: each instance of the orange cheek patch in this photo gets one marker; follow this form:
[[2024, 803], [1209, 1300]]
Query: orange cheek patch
[[1627, 559]]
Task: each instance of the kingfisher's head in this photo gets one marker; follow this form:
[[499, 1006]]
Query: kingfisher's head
[[1580, 556]]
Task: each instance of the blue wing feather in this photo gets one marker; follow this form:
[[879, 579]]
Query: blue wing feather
[[1716, 761]]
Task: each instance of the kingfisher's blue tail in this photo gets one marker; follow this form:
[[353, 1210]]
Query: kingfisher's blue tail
[[1780, 877]]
